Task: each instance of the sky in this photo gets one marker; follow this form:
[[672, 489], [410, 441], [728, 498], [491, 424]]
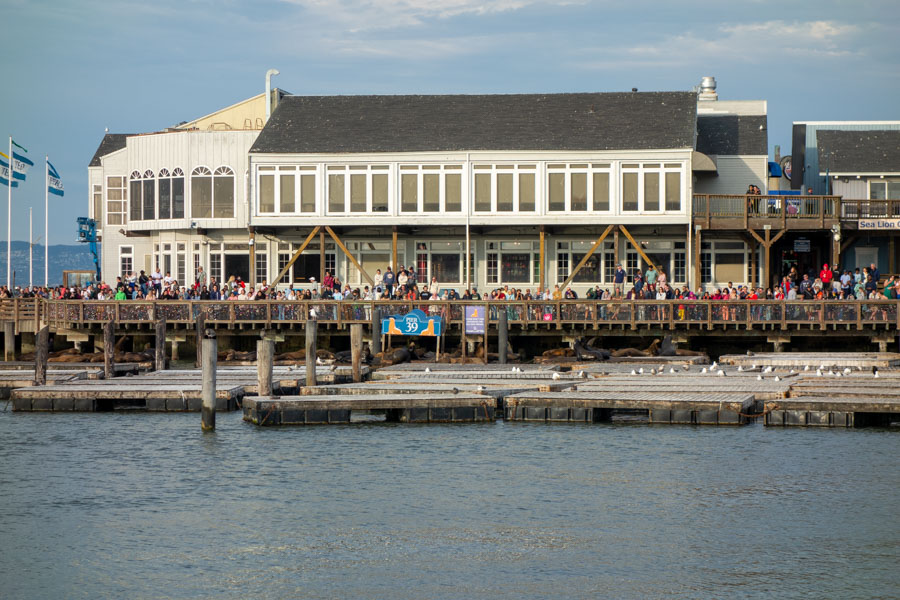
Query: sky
[[70, 70]]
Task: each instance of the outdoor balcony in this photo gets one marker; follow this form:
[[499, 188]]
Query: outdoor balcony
[[789, 212]]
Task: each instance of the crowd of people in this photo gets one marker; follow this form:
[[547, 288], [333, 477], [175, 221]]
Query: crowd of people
[[653, 284]]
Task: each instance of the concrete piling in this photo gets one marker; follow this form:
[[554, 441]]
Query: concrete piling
[[9, 341], [209, 359], [199, 326], [311, 332], [265, 353]]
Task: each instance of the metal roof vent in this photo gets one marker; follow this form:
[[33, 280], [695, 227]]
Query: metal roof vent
[[708, 89]]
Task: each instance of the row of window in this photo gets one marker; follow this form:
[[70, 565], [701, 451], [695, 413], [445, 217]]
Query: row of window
[[503, 188]]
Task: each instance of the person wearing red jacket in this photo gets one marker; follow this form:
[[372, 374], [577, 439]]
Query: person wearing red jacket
[[826, 275]]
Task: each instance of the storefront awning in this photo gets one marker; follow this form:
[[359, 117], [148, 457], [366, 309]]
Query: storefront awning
[[703, 163]]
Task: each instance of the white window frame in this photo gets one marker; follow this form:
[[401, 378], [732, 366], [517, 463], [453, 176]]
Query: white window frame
[[568, 170], [514, 169], [347, 171], [533, 248], [122, 255], [299, 171], [439, 169], [661, 170]]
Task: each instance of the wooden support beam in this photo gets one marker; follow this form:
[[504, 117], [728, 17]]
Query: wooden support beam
[[296, 255], [616, 245], [542, 260], [698, 270], [322, 256], [394, 249], [849, 241], [637, 247], [352, 258], [252, 258], [586, 257]]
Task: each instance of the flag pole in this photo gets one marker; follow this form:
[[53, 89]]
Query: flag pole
[[46, 221], [30, 248], [9, 220]]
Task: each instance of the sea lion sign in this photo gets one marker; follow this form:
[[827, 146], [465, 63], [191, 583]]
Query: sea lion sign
[[415, 322]]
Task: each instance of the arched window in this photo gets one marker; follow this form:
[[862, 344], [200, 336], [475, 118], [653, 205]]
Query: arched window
[[171, 194], [135, 195], [212, 194], [223, 193], [149, 196]]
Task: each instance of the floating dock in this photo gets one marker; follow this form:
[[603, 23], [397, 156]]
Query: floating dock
[[122, 394], [865, 360], [20, 378]]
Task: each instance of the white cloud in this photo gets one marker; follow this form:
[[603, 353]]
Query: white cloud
[[744, 43]]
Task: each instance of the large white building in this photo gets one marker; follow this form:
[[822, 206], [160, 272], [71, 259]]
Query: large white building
[[530, 184]]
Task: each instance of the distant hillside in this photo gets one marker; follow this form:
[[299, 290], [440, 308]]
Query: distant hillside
[[62, 257]]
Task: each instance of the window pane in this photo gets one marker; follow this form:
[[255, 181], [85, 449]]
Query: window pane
[[267, 194], [651, 191], [526, 192], [629, 191], [590, 272], [357, 193], [579, 191], [601, 191], [893, 189], [201, 197], [673, 191], [149, 200], [379, 195], [409, 200], [135, 213], [287, 193], [557, 195], [165, 198], [453, 192], [482, 191], [223, 196], [877, 191], [505, 191], [515, 268], [307, 193], [178, 197], [335, 193], [446, 267], [432, 193], [98, 205]]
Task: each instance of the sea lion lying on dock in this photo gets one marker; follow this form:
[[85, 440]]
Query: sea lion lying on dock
[[587, 351]]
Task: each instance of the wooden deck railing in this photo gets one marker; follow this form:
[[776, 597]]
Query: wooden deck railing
[[669, 314], [870, 209], [783, 211]]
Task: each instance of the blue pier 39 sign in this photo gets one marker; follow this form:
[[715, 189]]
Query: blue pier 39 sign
[[415, 322]]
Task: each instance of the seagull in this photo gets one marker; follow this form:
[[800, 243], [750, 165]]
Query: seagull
[[822, 366], [830, 372], [740, 369], [633, 372], [721, 373], [703, 371], [714, 365], [777, 378], [671, 371], [514, 370], [556, 376], [313, 313], [858, 368], [806, 368], [662, 368], [582, 374], [319, 361], [768, 370], [793, 371], [876, 373], [753, 367], [479, 389], [759, 377], [687, 367], [838, 374], [653, 371], [641, 370], [847, 371], [818, 372]]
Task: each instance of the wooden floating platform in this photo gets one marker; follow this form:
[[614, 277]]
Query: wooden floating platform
[[10, 380], [342, 409], [476, 375], [419, 367], [760, 390], [866, 360], [834, 411], [722, 408], [130, 394], [96, 368]]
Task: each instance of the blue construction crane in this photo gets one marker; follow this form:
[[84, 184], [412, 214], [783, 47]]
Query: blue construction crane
[[87, 232]]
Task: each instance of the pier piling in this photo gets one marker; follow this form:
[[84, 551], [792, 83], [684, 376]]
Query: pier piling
[[265, 352], [200, 325], [311, 332], [209, 358], [160, 344], [9, 341], [356, 350], [41, 354], [502, 336], [109, 349], [376, 331]]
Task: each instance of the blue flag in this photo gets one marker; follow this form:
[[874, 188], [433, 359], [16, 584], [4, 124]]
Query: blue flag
[[54, 183], [4, 172]]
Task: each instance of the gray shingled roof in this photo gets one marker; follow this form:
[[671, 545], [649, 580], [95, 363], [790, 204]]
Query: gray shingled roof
[[595, 121], [872, 151], [732, 134], [110, 143]]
